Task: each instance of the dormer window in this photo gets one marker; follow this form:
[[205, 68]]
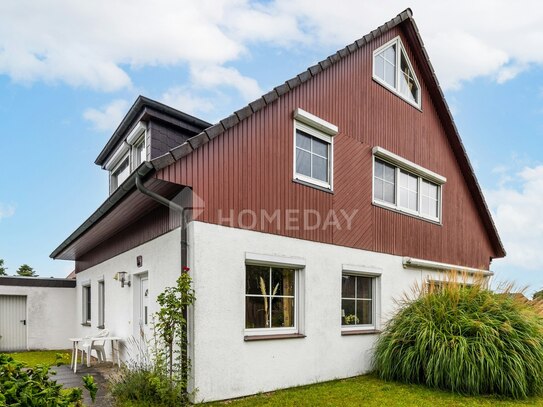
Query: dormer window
[[140, 154], [392, 69], [128, 156], [120, 173]]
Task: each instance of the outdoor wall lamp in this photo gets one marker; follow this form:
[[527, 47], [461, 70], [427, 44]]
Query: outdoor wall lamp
[[122, 277]]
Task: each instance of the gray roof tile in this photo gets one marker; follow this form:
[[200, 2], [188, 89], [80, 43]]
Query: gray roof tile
[[198, 140], [214, 130], [244, 112], [282, 89], [304, 76], [163, 161], [271, 96], [181, 151], [292, 83], [230, 121], [315, 69], [257, 104]]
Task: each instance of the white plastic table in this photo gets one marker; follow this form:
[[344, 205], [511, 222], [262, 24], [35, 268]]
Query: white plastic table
[[114, 348]]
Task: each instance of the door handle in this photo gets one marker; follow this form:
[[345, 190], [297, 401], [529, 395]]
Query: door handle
[[23, 321]]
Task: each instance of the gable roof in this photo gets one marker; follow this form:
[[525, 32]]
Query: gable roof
[[147, 169], [412, 32]]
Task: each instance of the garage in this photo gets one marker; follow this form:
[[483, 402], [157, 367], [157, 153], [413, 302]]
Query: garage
[[12, 323], [36, 313]]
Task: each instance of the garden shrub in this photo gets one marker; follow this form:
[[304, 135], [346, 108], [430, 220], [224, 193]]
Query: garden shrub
[[466, 339], [32, 387], [157, 372]]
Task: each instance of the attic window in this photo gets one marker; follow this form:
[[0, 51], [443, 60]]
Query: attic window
[[392, 69]]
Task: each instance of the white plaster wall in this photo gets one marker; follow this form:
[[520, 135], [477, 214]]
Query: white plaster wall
[[50, 315], [162, 263], [225, 366]]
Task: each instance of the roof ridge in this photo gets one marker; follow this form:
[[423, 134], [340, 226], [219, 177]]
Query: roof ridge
[[213, 131]]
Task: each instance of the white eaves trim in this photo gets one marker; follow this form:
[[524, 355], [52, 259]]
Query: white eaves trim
[[408, 165], [133, 137], [271, 260], [121, 152], [315, 122], [136, 132], [434, 265]]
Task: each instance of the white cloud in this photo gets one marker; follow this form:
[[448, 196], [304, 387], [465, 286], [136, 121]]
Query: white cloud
[[184, 99], [108, 117], [93, 44], [210, 77], [89, 43], [6, 211], [517, 213]]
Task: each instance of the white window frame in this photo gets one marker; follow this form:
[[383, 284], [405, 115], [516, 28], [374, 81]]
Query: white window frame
[[274, 261], [114, 179], [128, 149], [86, 302], [322, 130], [401, 164], [101, 303], [362, 271], [135, 156], [396, 90]]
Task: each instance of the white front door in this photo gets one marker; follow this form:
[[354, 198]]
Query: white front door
[[145, 317], [12, 322]]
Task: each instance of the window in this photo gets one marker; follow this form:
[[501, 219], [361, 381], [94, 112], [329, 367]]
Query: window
[[409, 191], [271, 300], [392, 68], [358, 301], [404, 186], [101, 304], [385, 182], [429, 199], [312, 157], [140, 153], [120, 174], [128, 156], [313, 149], [86, 304]]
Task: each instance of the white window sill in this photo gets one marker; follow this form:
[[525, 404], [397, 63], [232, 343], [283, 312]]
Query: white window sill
[[347, 332], [312, 182], [272, 336], [397, 209], [393, 90]]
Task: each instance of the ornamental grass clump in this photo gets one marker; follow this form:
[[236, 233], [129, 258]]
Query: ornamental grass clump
[[466, 339]]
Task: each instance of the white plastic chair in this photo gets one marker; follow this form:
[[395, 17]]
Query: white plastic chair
[[88, 345]]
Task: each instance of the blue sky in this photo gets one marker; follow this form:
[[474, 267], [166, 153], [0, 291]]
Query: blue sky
[[69, 73]]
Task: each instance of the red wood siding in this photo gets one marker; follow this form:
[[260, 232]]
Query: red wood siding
[[250, 166]]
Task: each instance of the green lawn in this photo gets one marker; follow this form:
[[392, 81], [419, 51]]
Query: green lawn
[[369, 391], [47, 357]]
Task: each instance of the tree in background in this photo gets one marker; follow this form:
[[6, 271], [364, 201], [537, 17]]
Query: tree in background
[[538, 295], [26, 271], [2, 268]]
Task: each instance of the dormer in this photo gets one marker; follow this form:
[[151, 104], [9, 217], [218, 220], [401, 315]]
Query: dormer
[[149, 130]]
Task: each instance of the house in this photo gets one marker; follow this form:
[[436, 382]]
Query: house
[[308, 212]]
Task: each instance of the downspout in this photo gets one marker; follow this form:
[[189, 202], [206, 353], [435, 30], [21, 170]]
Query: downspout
[[184, 260]]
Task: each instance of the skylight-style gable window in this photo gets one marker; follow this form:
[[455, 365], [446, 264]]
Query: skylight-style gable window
[[392, 69]]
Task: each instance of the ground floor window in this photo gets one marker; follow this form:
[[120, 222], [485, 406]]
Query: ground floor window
[[101, 304], [358, 301], [271, 303], [86, 304]]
